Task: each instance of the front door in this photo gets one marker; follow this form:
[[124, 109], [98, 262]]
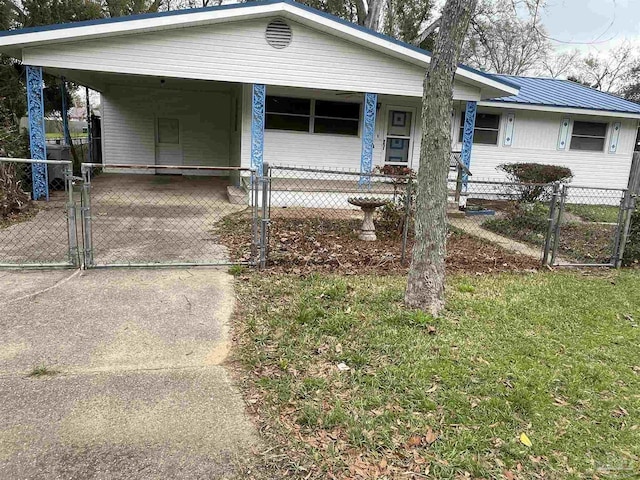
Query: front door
[[399, 136], [168, 144]]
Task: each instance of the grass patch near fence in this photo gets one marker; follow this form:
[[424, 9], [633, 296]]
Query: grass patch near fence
[[349, 384], [595, 213]]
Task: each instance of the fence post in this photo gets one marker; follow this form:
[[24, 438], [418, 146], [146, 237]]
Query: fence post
[[407, 218], [86, 216], [71, 217], [264, 224], [552, 223], [556, 235], [628, 206]]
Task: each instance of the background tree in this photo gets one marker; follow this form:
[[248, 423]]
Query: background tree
[[607, 72], [506, 36], [425, 284], [631, 91]]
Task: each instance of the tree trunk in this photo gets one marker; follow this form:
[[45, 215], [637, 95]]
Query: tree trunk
[[425, 285], [372, 19]]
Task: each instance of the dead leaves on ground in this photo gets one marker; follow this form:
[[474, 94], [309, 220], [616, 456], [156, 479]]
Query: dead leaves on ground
[[304, 241]]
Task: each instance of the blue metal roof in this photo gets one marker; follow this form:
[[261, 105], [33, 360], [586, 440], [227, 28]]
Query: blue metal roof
[[102, 21], [554, 92]]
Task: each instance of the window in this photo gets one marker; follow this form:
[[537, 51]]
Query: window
[[486, 130], [637, 148], [315, 116], [283, 113], [589, 136]]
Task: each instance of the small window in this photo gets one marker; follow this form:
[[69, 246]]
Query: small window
[[340, 118], [589, 136], [168, 131], [486, 130], [284, 113], [637, 148]]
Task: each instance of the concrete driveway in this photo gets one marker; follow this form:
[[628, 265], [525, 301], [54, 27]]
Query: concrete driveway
[[140, 389]]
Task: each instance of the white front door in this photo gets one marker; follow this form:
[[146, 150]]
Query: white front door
[[168, 144], [398, 140]]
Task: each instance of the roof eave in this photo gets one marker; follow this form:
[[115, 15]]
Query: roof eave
[[560, 109]]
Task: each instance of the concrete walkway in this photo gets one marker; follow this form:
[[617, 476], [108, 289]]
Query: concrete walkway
[[472, 226], [140, 392]]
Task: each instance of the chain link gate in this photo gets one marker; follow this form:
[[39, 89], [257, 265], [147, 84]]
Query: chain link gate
[[587, 226], [132, 220], [38, 233]]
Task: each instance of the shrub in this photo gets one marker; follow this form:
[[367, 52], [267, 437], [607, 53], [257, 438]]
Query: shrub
[[13, 198], [632, 248], [525, 221], [535, 179]]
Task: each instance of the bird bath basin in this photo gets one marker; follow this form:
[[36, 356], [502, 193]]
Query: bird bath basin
[[368, 206]]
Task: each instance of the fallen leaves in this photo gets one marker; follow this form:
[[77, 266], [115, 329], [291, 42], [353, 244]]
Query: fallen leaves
[[306, 240], [524, 439]]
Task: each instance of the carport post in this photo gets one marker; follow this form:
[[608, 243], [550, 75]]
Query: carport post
[[37, 133], [257, 127]]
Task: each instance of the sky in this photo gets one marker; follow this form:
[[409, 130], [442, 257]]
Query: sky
[[592, 25]]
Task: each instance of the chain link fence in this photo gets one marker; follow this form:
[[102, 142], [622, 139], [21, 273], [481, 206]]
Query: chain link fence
[[294, 216], [319, 217], [144, 220], [37, 233]]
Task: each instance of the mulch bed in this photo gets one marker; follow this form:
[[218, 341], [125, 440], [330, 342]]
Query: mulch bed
[[315, 241]]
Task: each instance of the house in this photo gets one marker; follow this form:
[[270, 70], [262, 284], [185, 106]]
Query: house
[[277, 81]]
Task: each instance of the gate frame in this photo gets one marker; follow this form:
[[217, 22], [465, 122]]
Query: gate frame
[[73, 258], [556, 211], [88, 247]]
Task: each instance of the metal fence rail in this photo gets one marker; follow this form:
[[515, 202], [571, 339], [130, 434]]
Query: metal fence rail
[[37, 234], [154, 220]]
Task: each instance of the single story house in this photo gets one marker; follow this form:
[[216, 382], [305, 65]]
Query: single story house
[[277, 81]]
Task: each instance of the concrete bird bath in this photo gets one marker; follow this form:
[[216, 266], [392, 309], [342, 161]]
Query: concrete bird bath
[[368, 206]]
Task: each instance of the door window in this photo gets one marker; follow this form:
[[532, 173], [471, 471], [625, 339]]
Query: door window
[[168, 131], [398, 139]]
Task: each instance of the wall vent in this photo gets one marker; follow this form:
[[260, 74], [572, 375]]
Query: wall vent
[[278, 34]]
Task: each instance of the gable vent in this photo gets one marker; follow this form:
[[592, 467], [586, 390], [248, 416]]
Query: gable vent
[[279, 34]]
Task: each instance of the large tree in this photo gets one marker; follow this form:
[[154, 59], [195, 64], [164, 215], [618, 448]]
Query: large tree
[[425, 285]]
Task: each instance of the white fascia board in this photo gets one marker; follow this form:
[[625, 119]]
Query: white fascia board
[[565, 110], [138, 25]]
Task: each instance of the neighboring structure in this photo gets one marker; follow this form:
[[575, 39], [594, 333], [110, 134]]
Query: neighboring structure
[[281, 82]]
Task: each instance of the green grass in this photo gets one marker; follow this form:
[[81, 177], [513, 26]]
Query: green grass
[[595, 213], [59, 136], [552, 355], [42, 371]]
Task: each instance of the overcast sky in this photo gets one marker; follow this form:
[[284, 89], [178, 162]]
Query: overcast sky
[[592, 24]]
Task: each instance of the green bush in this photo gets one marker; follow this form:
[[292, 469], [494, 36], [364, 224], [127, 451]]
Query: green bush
[[632, 248], [536, 179]]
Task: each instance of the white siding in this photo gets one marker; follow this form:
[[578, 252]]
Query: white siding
[[321, 150], [238, 52], [536, 140], [129, 116]]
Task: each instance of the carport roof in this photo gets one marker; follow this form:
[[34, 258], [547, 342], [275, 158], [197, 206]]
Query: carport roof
[[12, 41]]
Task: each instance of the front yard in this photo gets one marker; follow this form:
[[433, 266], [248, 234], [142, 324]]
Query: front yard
[[346, 383]]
